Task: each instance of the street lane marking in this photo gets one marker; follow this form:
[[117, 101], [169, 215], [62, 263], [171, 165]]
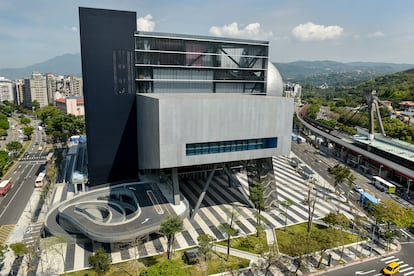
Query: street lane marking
[[404, 265], [406, 233], [387, 258], [155, 203], [404, 270], [409, 273]]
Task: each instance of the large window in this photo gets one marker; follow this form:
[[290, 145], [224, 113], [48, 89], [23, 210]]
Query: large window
[[229, 146]]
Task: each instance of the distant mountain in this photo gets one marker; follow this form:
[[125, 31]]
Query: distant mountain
[[67, 64], [313, 73], [396, 87], [316, 73]]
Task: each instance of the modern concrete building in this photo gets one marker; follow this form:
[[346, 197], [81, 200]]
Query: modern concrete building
[[191, 100], [163, 108], [6, 90], [35, 89]]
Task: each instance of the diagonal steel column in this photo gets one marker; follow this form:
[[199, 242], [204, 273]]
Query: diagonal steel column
[[203, 193], [237, 184]]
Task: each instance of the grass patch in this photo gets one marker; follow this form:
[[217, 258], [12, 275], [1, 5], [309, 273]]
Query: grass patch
[[286, 239], [217, 264], [249, 243]]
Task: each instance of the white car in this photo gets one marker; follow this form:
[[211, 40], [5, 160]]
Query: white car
[[358, 189]]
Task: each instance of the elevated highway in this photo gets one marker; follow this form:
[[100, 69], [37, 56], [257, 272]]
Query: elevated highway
[[346, 144]]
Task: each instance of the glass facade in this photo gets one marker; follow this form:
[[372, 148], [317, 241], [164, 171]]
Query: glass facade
[[230, 146], [168, 63]]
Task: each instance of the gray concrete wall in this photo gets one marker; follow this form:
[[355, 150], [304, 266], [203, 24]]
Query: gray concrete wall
[[195, 118], [148, 132]]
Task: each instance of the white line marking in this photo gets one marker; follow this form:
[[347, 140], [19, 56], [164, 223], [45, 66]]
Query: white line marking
[[387, 258], [404, 270]]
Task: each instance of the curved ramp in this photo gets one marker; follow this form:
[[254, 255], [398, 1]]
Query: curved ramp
[[112, 214]]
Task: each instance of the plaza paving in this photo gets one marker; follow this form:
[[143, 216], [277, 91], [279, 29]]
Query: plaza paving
[[213, 212]]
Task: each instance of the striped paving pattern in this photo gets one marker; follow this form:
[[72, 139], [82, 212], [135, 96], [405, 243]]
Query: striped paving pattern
[[218, 202]]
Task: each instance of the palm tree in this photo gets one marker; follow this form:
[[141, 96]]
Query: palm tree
[[169, 227], [351, 178]]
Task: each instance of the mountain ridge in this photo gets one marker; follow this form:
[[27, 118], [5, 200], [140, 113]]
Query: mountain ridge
[[66, 64], [301, 71]]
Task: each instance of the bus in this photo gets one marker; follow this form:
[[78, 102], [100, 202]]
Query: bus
[[383, 185], [39, 180], [367, 200], [5, 187]]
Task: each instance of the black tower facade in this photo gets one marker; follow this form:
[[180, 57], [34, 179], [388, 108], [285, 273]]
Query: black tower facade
[[107, 51]]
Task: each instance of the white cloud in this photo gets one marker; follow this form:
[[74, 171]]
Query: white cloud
[[72, 29], [310, 31], [376, 34], [146, 23], [252, 30]]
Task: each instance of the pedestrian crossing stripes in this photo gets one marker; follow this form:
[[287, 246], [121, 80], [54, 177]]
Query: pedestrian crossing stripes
[[403, 266], [219, 201]]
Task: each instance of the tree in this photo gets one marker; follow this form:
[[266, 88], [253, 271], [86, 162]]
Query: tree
[[340, 173], [341, 221], [167, 268], [3, 132], [205, 244], [47, 113], [358, 223], [24, 120], [351, 179], [100, 261], [311, 200], [228, 228], [391, 213], [300, 246], [169, 228], [35, 105], [28, 131], [14, 146], [21, 249], [62, 126], [257, 197], [3, 250], [270, 258], [286, 204], [4, 123], [325, 240], [4, 159]]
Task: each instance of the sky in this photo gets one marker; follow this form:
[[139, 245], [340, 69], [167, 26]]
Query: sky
[[340, 30]]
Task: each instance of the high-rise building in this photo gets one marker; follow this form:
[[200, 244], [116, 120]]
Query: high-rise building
[[19, 91], [75, 86], [51, 87], [6, 90], [35, 89], [170, 104]]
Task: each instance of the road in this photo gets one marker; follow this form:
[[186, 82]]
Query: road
[[22, 175], [374, 267], [320, 162]]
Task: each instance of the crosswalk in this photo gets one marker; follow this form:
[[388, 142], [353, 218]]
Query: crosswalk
[[32, 157], [218, 202], [405, 269]]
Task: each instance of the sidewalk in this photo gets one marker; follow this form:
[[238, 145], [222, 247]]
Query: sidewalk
[[22, 227]]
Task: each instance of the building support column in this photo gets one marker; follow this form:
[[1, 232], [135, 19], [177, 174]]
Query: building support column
[[203, 193], [176, 187]]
